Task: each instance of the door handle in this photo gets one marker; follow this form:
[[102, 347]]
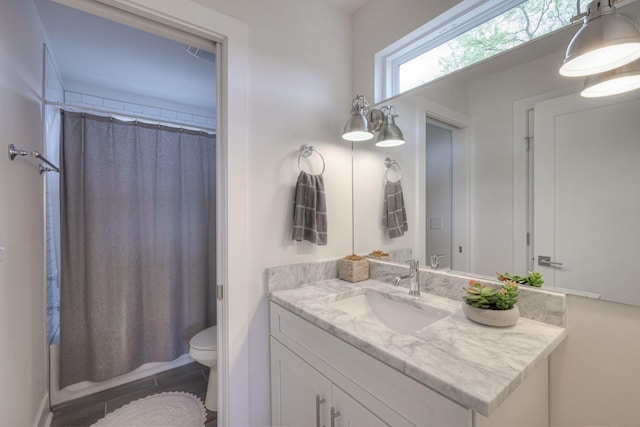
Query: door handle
[[319, 401], [334, 414], [546, 261]]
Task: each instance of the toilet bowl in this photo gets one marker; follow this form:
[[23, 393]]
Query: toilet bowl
[[203, 348]]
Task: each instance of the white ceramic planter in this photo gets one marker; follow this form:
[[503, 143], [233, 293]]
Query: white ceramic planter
[[499, 318]]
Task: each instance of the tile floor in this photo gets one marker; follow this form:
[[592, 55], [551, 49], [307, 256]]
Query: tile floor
[[191, 378]]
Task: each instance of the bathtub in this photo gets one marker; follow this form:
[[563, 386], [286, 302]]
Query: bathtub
[[85, 388]]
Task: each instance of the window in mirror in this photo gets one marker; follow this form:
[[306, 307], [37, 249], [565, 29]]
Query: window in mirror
[[467, 43]]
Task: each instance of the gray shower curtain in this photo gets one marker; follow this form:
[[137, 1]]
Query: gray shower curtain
[[138, 244]]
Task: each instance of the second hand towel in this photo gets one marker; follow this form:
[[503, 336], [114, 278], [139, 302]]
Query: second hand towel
[[394, 215]]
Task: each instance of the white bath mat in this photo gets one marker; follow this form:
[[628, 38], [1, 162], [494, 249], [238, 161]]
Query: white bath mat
[[169, 409]]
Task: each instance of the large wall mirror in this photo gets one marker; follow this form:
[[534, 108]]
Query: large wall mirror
[[505, 163]]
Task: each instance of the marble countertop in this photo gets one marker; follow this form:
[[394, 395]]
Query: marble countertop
[[476, 366]]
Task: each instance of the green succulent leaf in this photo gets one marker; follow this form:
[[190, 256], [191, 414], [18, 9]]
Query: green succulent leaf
[[534, 278], [486, 296]]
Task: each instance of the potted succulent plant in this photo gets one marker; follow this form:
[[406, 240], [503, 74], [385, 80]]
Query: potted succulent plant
[[485, 304], [533, 278]]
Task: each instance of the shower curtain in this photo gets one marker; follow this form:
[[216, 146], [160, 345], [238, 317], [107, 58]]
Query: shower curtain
[[138, 244]]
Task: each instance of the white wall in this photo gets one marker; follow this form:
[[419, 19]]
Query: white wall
[[22, 291], [103, 98], [378, 24], [299, 92], [132, 104], [594, 374]]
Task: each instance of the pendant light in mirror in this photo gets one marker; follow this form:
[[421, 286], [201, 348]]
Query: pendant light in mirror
[[621, 80], [607, 40], [390, 134]]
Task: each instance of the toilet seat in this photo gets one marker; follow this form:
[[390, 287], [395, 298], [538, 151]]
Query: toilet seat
[[206, 340]]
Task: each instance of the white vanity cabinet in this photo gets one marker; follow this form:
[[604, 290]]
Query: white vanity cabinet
[[347, 412], [301, 396], [299, 393], [313, 372], [307, 362]]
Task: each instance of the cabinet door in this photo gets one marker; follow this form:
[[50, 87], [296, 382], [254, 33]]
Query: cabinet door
[[297, 391], [347, 412]]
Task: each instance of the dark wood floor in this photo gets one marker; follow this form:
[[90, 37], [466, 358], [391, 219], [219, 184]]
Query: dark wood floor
[[83, 412]]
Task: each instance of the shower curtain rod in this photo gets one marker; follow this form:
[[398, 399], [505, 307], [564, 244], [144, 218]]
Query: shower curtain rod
[[14, 152], [63, 106]]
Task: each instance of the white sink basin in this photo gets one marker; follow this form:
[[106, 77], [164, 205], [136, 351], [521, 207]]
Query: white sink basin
[[399, 316]]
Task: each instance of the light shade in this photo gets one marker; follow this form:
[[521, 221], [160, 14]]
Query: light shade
[[365, 122], [358, 127], [390, 135], [620, 80], [607, 40]]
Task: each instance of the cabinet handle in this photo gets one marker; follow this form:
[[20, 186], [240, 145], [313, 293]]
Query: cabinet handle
[[319, 401], [334, 414]]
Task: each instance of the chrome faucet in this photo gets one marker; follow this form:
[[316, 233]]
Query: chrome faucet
[[414, 274]]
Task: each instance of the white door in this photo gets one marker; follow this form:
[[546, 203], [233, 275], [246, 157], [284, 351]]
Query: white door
[[587, 194], [300, 395]]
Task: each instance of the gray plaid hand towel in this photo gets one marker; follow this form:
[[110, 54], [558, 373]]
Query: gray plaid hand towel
[[310, 210], [394, 215]]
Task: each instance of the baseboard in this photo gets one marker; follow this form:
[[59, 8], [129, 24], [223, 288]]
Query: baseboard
[[45, 416]]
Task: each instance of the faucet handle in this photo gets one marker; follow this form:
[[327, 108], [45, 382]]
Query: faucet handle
[[435, 260], [413, 265]]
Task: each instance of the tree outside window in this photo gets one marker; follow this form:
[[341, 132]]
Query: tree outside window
[[518, 25]]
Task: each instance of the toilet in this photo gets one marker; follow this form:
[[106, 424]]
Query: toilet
[[204, 349]]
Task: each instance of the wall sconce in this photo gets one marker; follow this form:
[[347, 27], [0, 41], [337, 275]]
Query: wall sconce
[[358, 127], [389, 134], [606, 40], [365, 121]]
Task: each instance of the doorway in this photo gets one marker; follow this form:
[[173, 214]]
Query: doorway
[[444, 189], [232, 115], [134, 106], [439, 195], [232, 102]]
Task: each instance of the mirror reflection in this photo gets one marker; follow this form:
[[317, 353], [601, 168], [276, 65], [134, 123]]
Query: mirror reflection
[[506, 168]]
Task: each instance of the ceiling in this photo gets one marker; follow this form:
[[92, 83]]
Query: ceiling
[[349, 5], [94, 52]]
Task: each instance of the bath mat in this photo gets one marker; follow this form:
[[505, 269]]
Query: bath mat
[[174, 408]]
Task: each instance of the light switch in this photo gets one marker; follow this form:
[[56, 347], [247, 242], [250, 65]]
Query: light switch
[[435, 223], [1, 247]]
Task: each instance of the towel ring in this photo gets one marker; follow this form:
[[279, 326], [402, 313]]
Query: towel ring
[[307, 150], [388, 164]]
